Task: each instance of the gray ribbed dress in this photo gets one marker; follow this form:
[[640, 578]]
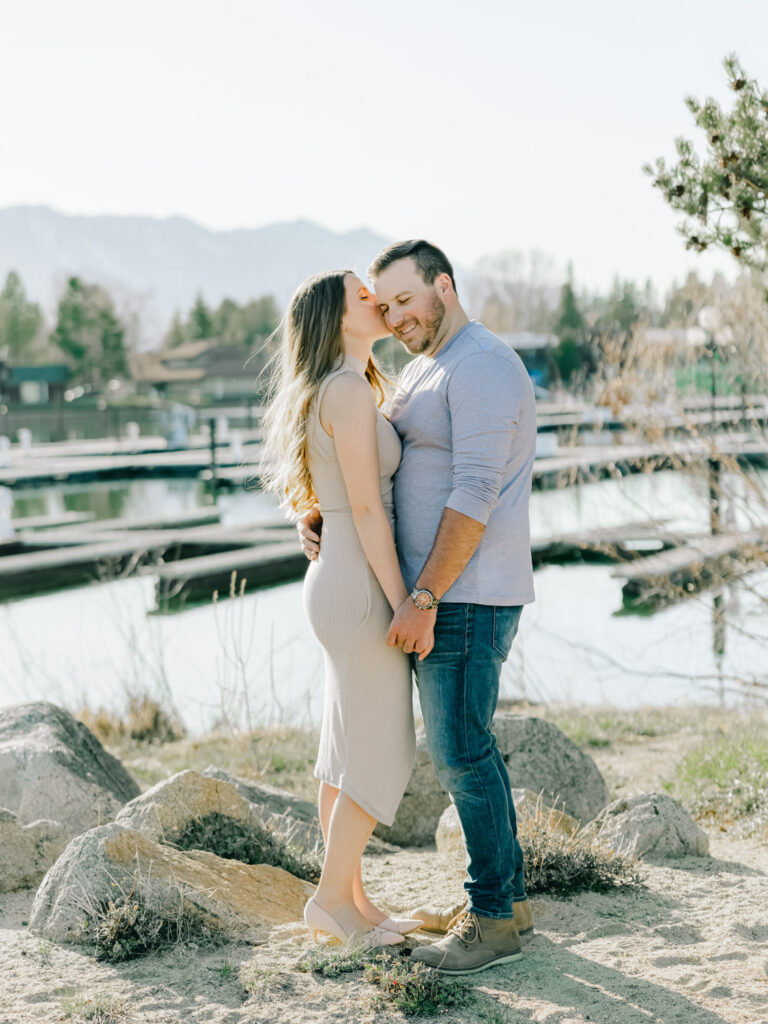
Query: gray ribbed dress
[[367, 735]]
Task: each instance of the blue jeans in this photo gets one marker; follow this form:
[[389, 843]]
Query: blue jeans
[[458, 689]]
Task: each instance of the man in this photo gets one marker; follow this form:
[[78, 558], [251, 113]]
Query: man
[[465, 413]]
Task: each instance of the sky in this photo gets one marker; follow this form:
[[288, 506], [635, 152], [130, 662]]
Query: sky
[[484, 126]]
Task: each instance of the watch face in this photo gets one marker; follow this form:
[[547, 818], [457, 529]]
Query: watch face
[[423, 599]]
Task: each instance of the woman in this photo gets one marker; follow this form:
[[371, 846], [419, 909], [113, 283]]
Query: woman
[[333, 447]]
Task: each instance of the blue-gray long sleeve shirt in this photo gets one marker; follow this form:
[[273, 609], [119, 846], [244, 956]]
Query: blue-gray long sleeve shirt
[[467, 422]]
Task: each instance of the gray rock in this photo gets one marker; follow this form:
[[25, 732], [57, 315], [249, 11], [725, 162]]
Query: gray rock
[[234, 900], [649, 825], [449, 837], [28, 850], [538, 756], [53, 767], [423, 802]]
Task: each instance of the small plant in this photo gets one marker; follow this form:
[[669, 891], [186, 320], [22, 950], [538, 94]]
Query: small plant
[[414, 988], [128, 927], [726, 777], [251, 843], [98, 1009], [225, 970], [561, 863], [329, 961], [257, 980], [144, 721]]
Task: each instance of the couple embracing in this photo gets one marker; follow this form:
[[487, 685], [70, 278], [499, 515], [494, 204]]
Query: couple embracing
[[416, 524]]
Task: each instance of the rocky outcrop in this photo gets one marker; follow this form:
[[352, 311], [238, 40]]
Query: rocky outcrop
[[224, 897], [28, 850], [650, 825], [52, 767]]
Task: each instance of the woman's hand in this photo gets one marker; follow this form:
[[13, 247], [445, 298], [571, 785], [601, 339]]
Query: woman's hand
[[310, 527]]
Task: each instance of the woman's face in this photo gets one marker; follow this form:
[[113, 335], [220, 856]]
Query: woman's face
[[362, 320]]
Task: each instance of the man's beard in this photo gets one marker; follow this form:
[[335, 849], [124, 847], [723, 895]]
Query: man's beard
[[430, 325]]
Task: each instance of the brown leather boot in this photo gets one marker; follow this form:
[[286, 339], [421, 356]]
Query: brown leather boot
[[441, 920], [473, 944]]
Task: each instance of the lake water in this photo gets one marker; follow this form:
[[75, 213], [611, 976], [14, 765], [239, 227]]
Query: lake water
[[253, 659]]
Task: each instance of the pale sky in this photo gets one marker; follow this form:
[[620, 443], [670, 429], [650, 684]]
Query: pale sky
[[481, 124]]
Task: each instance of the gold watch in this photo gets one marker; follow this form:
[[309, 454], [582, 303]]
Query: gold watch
[[424, 599]]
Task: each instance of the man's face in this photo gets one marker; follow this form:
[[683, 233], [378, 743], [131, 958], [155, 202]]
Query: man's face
[[412, 309]]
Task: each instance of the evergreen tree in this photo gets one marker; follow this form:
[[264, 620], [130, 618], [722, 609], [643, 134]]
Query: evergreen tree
[[20, 320], [571, 355], [724, 196], [200, 320], [88, 332], [177, 333]]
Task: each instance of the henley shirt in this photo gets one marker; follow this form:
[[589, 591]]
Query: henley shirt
[[467, 422]]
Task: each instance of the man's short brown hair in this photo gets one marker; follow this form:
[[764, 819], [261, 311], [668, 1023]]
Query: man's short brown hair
[[430, 260]]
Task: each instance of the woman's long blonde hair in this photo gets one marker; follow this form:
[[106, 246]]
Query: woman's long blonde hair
[[310, 347]]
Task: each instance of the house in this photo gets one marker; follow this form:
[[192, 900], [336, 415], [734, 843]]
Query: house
[[32, 385], [201, 371]]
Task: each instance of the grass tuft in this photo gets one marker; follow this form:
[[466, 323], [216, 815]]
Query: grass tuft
[[251, 843], [726, 777], [97, 1009], [128, 926], [561, 864], [413, 988], [144, 721]]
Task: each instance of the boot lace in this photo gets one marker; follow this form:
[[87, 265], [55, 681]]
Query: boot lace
[[467, 928]]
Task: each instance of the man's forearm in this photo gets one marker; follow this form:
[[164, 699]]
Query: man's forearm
[[455, 543]]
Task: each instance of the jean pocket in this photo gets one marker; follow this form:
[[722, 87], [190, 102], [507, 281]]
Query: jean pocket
[[505, 623]]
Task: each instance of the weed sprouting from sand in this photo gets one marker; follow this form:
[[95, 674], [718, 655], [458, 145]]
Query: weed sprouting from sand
[[257, 980], [561, 863], [413, 988], [251, 843], [329, 961], [726, 777], [97, 1009]]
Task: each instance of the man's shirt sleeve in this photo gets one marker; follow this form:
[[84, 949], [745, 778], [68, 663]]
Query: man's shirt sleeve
[[484, 395]]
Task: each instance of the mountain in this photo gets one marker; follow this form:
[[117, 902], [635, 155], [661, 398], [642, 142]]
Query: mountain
[[155, 266]]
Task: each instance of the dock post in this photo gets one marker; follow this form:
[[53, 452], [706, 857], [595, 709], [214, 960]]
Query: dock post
[[212, 429]]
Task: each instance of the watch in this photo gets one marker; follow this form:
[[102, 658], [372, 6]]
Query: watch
[[424, 599]]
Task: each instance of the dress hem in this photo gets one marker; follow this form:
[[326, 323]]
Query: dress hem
[[386, 819]]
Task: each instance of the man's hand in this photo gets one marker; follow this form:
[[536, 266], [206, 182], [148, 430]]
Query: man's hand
[[413, 629], [310, 526]]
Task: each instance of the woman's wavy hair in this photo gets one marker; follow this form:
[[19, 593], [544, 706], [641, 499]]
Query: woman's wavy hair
[[310, 347]]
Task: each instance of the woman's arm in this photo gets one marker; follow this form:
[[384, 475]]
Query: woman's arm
[[349, 413]]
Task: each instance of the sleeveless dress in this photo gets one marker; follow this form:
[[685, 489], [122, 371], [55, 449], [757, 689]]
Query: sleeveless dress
[[367, 736]]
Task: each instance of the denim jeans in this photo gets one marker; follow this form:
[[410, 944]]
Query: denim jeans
[[458, 689]]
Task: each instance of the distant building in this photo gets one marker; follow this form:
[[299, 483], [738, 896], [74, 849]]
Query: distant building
[[200, 371], [535, 350], [33, 385]]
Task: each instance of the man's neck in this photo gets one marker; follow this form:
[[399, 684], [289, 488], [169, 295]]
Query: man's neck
[[452, 324]]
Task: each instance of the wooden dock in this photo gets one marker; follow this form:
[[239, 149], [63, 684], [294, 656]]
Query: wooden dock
[[661, 578]]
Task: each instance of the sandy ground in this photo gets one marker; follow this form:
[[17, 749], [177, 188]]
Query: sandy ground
[[691, 947]]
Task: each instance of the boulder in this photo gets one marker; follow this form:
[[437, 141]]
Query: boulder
[[450, 839], [649, 825], [539, 757], [52, 767], [164, 812], [286, 813], [227, 898], [28, 850]]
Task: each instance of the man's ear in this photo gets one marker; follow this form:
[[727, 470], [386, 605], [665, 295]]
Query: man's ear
[[444, 285]]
